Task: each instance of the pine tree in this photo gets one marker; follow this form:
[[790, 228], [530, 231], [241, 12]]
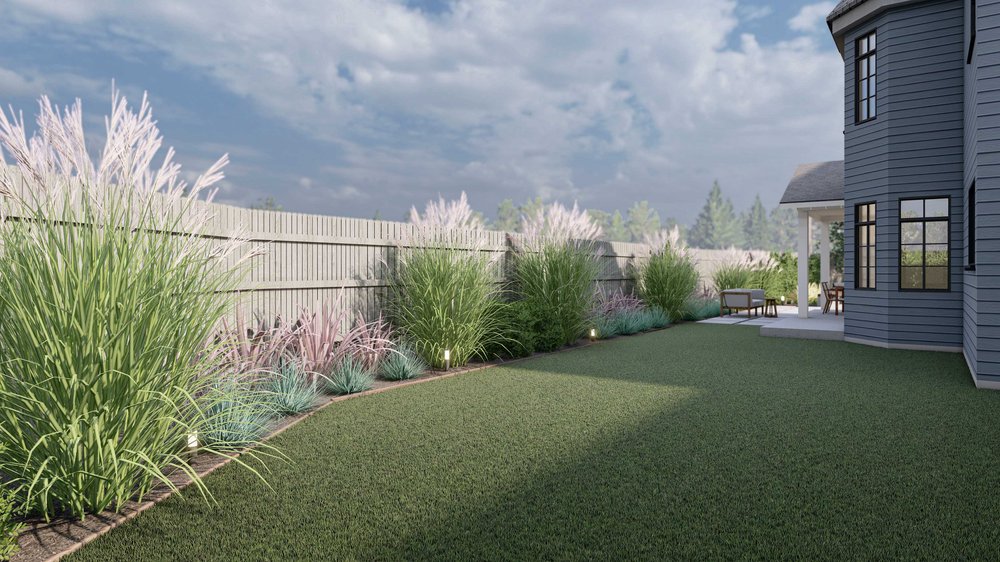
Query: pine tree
[[717, 225], [784, 229], [756, 228], [642, 220], [602, 218], [508, 217], [616, 230]]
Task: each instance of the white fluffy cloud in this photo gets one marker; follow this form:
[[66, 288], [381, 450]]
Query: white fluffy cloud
[[811, 16], [605, 102]]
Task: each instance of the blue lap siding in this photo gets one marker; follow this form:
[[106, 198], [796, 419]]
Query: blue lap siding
[[913, 148]]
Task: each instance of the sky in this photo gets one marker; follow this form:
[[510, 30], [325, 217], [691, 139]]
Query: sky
[[350, 108]]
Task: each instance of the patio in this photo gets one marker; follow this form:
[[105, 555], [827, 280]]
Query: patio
[[789, 324]]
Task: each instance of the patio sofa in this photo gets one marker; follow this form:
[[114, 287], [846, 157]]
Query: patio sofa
[[741, 299]]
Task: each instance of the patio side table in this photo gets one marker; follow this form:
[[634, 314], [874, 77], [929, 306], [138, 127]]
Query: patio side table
[[771, 307]]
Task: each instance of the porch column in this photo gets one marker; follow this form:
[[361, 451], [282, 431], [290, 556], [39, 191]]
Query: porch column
[[803, 296], [824, 257]]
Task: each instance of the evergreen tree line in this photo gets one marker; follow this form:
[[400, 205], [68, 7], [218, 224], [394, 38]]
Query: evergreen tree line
[[718, 225]]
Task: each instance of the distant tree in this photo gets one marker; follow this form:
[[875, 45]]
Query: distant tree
[[616, 231], [602, 218], [784, 225], [378, 215], [716, 225], [266, 204], [508, 217], [531, 208], [756, 227], [642, 221]]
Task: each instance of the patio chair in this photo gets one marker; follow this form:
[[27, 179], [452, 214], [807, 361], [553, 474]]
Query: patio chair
[[833, 296], [741, 299]]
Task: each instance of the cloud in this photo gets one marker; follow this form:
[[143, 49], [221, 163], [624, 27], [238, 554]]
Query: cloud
[[750, 12], [605, 102], [811, 17]]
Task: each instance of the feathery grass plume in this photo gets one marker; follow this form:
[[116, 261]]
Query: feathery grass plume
[[556, 282], [349, 376], [666, 238], [108, 293], [740, 270], [667, 280], [448, 214], [292, 390], [445, 297], [556, 223]]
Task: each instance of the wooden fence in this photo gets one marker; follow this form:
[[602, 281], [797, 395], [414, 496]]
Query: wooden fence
[[310, 258]]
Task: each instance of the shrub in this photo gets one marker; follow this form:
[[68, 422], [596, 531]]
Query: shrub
[[401, 364], [349, 377], [655, 318], [702, 308], [442, 298], [253, 349], [732, 275], [667, 280], [555, 283], [607, 326], [105, 313], [235, 415], [515, 336], [373, 342], [617, 301], [10, 527], [292, 390]]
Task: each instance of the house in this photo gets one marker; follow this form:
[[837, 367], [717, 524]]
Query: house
[[920, 195]]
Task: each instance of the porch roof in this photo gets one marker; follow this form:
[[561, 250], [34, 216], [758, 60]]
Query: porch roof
[[816, 185]]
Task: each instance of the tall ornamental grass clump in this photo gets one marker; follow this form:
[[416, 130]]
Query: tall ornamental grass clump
[[10, 526], [104, 314], [556, 283], [445, 299], [667, 280]]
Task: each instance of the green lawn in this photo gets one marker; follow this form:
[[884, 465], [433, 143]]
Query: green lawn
[[699, 441]]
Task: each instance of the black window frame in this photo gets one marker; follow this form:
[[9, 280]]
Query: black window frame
[[924, 219], [973, 26], [970, 225], [866, 58], [871, 269]]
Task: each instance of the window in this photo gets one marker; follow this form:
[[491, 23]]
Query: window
[[923, 256], [970, 224], [864, 72], [973, 25], [864, 244]]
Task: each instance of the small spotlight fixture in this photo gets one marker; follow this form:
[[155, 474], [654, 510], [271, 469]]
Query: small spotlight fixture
[[593, 334], [193, 440], [447, 359]]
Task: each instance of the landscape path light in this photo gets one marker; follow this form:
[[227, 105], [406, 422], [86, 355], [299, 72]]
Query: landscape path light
[[447, 359]]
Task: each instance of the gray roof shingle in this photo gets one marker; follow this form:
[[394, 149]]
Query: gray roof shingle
[[819, 181], [843, 7]]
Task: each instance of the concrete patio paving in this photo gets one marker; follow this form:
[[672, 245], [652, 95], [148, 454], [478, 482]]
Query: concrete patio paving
[[818, 326]]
